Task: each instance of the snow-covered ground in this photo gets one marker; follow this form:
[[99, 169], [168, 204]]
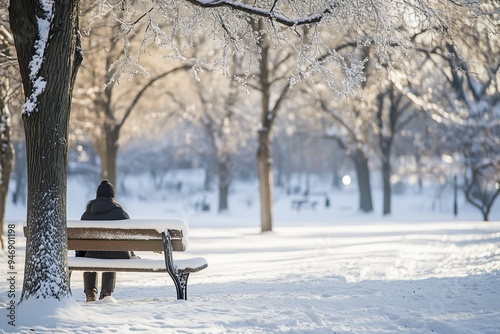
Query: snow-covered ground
[[328, 270]]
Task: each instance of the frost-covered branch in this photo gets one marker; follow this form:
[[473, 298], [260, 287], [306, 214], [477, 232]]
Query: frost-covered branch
[[267, 13], [437, 112], [146, 87]]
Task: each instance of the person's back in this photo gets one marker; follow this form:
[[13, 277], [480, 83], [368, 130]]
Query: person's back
[[103, 207]]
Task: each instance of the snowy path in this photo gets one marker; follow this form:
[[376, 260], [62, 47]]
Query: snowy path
[[349, 278]]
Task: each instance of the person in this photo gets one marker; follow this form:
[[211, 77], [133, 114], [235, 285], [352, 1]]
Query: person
[[103, 207]]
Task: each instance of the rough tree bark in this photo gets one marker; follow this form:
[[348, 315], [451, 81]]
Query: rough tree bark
[[46, 132]]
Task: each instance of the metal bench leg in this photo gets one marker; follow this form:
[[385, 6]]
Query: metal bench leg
[[180, 279], [184, 279]]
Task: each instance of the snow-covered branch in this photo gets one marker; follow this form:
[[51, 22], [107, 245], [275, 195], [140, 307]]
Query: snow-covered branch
[[437, 112], [267, 13]]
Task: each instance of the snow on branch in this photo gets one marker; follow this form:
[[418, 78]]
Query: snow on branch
[[266, 13]]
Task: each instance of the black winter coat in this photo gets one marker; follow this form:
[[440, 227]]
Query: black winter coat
[[103, 208]]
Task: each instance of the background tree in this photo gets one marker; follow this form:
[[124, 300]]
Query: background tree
[[466, 107], [476, 99], [223, 119], [105, 99], [393, 113], [8, 86], [273, 85]]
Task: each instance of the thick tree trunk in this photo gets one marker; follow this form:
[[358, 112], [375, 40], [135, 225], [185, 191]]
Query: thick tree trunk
[[264, 165], [363, 174], [46, 132]]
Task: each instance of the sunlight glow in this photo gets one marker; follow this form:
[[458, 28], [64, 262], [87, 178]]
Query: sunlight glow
[[447, 158], [346, 180]]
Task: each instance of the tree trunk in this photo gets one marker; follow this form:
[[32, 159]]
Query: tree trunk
[[268, 114], [279, 152], [386, 181], [207, 180], [46, 132], [6, 161], [109, 153], [19, 195], [264, 165], [363, 174], [482, 199], [224, 181]]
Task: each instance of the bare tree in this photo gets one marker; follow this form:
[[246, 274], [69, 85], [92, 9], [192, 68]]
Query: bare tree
[[464, 100], [351, 132], [99, 94], [480, 189], [393, 113], [218, 118], [273, 92]]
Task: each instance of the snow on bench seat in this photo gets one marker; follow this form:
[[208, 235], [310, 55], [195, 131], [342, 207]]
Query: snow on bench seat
[[190, 265], [159, 225]]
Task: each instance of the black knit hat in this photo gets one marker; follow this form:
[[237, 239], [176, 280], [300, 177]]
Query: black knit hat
[[105, 189]]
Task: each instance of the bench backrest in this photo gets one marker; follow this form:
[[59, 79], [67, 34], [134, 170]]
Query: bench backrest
[[113, 237], [100, 239]]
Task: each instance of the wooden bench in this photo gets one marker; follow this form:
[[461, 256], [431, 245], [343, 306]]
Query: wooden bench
[[165, 236]]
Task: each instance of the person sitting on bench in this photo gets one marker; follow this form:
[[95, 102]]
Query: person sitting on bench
[[103, 207]]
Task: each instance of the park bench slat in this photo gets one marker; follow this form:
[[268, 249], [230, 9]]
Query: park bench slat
[[118, 245], [191, 265]]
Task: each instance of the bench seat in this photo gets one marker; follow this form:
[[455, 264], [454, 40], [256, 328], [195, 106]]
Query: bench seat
[[191, 265]]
